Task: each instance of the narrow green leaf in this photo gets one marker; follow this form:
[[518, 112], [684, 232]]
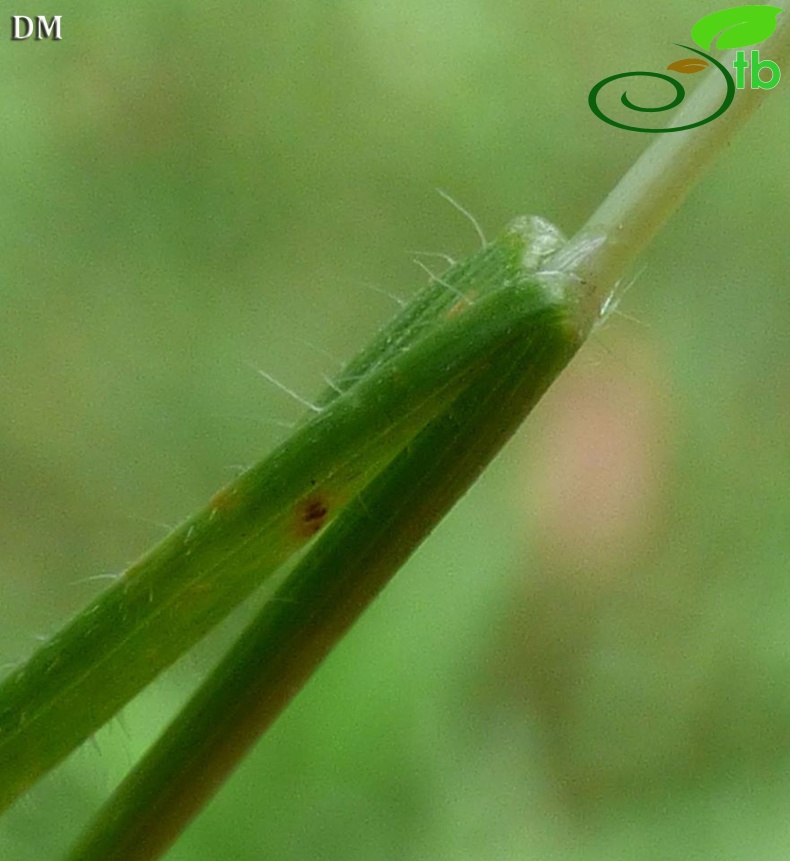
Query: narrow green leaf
[[342, 573], [169, 599]]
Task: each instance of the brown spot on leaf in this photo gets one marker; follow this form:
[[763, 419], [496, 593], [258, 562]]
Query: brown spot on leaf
[[688, 65], [461, 305], [311, 515], [224, 499]]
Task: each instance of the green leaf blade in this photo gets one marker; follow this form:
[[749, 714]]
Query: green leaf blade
[[175, 594], [332, 585]]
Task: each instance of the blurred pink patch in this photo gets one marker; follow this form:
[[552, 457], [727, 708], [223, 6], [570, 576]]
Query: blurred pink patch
[[594, 469]]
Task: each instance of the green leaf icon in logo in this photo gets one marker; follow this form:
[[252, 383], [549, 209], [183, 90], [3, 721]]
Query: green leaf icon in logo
[[736, 28]]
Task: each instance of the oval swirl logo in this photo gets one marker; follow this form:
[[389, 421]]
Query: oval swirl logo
[[735, 28]]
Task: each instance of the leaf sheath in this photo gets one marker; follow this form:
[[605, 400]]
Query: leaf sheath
[[169, 599], [327, 591]]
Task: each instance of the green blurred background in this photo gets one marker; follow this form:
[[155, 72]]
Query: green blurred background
[[590, 659]]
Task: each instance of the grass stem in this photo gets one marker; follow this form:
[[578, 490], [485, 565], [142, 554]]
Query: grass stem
[[606, 247]]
